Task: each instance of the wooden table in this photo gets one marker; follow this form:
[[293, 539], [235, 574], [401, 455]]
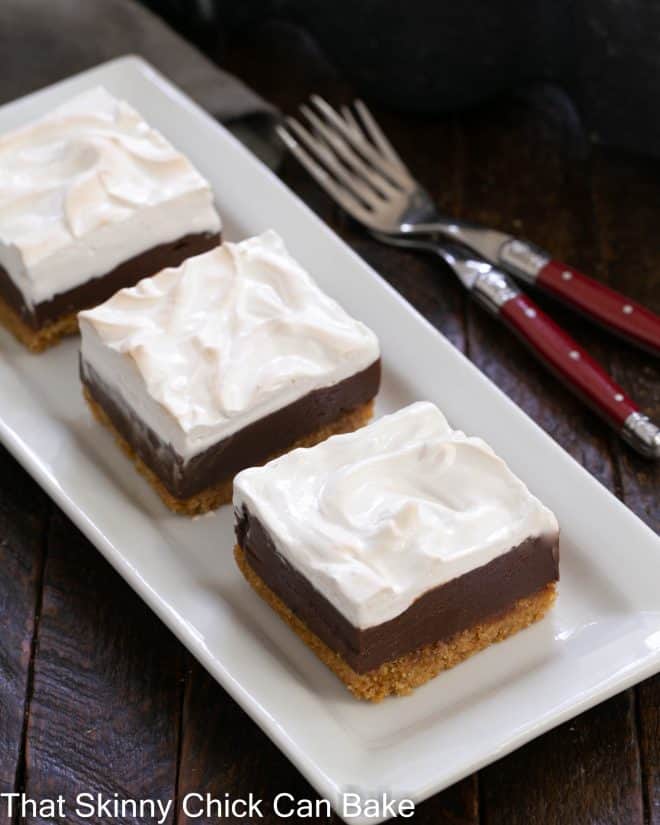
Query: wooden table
[[96, 693]]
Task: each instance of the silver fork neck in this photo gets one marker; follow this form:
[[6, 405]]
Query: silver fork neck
[[487, 242], [519, 257]]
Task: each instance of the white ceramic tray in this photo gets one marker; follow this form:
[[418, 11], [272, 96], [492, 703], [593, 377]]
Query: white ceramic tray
[[603, 635]]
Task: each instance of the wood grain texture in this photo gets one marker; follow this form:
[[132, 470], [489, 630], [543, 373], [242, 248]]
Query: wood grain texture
[[586, 771], [104, 714], [24, 512], [113, 701], [530, 179], [537, 171], [631, 255], [223, 752], [648, 710]]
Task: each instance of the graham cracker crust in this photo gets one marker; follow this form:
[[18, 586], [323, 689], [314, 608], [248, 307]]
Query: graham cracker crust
[[37, 340], [401, 676], [221, 493]]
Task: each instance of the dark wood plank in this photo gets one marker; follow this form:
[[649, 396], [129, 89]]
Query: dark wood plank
[[586, 771], [626, 197], [105, 709], [223, 752], [457, 805], [24, 512], [648, 717], [525, 172]]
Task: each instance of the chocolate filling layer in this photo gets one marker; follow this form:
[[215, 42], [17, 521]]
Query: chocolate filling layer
[[250, 446], [435, 616], [97, 290]]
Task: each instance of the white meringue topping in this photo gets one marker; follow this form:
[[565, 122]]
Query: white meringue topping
[[376, 518], [230, 336], [87, 187]]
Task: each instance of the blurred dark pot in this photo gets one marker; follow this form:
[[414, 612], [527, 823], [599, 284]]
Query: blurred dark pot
[[441, 56]]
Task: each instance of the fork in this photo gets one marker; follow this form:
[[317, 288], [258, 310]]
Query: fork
[[616, 312], [350, 157]]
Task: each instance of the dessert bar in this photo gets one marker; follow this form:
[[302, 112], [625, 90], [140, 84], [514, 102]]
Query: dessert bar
[[396, 551], [92, 199], [222, 363]]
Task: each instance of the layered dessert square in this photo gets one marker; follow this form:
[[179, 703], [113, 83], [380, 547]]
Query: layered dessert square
[[397, 551], [222, 363], [91, 200]]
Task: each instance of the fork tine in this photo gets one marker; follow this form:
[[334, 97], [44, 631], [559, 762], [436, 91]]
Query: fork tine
[[357, 164], [355, 184], [377, 135], [349, 117], [344, 198], [394, 171]]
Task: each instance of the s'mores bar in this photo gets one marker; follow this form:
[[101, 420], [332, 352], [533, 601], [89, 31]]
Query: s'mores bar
[[222, 363], [91, 200], [396, 551]]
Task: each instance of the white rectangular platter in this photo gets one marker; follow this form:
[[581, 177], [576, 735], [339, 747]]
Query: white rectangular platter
[[603, 635]]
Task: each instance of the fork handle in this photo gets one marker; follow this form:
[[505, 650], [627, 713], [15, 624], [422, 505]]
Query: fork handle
[[609, 308], [563, 356]]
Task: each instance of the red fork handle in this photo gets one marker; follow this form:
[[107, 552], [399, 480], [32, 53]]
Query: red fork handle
[[554, 347], [567, 360], [580, 372], [610, 308]]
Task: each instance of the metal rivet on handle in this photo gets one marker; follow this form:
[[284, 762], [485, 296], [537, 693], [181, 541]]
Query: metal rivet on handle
[[574, 354], [530, 312], [618, 397], [627, 309], [566, 275]]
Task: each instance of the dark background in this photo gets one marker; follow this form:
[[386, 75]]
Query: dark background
[[602, 56]]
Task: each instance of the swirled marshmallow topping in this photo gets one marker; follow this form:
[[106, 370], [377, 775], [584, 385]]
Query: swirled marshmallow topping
[[202, 350], [87, 187], [376, 518]]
